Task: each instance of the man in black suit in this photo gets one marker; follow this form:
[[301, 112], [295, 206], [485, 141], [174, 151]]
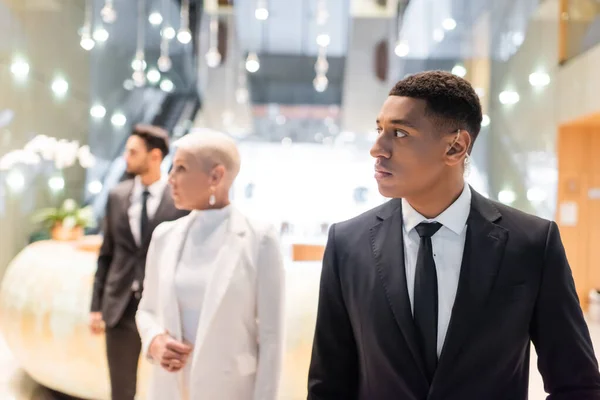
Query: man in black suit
[[437, 294], [134, 208]]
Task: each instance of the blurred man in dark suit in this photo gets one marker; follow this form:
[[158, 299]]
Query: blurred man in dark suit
[[134, 208]]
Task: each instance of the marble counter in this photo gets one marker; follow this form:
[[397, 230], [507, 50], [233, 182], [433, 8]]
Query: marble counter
[[44, 305]]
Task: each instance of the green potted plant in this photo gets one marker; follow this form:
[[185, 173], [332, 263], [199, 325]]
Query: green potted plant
[[66, 222]]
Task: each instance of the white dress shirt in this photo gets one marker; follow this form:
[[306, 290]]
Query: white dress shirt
[[135, 209], [448, 245]]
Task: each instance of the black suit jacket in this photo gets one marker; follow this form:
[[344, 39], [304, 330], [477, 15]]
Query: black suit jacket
[[121, 260], [515, 286]]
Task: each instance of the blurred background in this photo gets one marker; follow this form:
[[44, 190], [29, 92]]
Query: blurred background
[[298, 83]]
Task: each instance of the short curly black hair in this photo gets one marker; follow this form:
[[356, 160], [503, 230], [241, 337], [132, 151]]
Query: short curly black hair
[[450, 98]]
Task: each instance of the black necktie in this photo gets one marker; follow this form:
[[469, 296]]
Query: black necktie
[[144, 218], [426, 297]]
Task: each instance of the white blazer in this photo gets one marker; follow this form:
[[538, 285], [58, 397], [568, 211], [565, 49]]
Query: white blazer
[[238, 353]]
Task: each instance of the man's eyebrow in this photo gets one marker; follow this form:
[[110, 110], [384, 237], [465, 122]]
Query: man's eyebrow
[[398, 122]]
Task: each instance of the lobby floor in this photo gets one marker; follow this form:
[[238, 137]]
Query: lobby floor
[[16, 385]]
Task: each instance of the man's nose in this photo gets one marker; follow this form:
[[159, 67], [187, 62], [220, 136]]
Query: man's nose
[[380, 147]]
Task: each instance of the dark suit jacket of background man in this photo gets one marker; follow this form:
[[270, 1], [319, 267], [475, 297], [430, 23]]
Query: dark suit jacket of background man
[[515, 285], [121, 261]]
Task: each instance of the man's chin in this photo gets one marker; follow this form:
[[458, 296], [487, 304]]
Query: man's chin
[[388, 191]]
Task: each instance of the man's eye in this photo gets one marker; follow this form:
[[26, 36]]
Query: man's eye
[[379, 130], [400, 134]]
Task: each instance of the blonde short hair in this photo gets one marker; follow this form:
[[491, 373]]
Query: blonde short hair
[[210, 149]]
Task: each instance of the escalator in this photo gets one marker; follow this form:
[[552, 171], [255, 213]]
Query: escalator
[[174, 113]]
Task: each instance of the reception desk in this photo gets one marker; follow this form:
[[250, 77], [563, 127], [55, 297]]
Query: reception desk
[[44, 307]]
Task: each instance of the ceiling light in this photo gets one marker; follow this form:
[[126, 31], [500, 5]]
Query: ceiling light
[[108, 13], [449, 24], [213, 57], [118, 119], [459, 70], [153, 76], [261, 14], [155, 18], [539, 79], [252, 62], [286, 141], [128, 84], [168, 33], [139, 78], [101, 35], [320, 83], [485, 120], [15, 181], [56, 183], [86, 42], [138, 64], [20, 69], [402, 49], [94, 187], [438, 35], [480, 91], [323, 40], [280, 119], [60, 87], [536, 195], [164, 63], [184, 36], [509, 97], [167, 85], [507, 196], [97, 111]]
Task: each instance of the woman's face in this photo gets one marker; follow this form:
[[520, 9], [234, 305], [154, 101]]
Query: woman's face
[[191, 185]]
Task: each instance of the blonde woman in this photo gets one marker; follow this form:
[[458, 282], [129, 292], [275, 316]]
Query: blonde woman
[[211, 315]]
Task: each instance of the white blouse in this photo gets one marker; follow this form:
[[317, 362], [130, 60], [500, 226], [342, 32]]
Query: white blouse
[[206, 235]]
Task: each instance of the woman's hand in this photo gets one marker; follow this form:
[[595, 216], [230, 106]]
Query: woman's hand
[[170, 353]]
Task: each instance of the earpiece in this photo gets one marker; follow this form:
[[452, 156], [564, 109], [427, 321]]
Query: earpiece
[[452, 150]]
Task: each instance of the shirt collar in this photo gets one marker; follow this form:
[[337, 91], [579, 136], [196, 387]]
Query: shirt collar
[[156, 189], [453, 217]]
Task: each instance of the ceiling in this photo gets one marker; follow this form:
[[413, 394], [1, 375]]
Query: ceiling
[[291, 27]]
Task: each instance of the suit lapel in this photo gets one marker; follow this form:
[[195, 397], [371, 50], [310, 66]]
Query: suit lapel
[[388, 249], [127, 192], [227, 261], [482, 257], [172, 255], [159, 216]]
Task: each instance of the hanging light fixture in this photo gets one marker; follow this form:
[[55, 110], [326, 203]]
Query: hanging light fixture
[[108, 13], [252, 62], [322, 13], [139, 63], [87, 43], [184, 35], [321, 82], [212, 56], [164, 61], [261, 13]]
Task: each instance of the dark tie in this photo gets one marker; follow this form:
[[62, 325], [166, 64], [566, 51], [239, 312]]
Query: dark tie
[[144, 218], [426, 297]]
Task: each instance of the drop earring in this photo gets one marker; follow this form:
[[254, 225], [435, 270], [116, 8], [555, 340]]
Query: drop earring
[[212, 200]]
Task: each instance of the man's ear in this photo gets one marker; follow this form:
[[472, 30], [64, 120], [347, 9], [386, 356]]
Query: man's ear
[[458, 147]]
